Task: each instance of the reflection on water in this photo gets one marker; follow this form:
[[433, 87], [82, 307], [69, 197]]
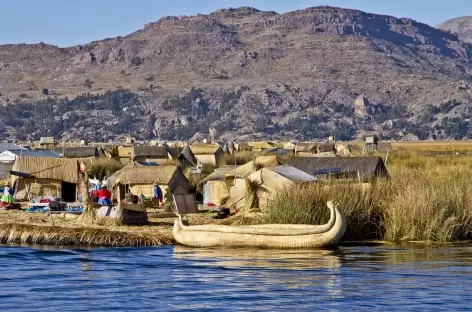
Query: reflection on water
[[266, 258], [178, 278]]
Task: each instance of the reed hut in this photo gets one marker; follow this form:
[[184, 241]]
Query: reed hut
[[141, 181], [156, 154], [360, 168], [57, 177], [265, 183], [81, 152], [207, 154], [215, 188]]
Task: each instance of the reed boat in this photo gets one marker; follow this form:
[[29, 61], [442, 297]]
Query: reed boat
[[287, 236]]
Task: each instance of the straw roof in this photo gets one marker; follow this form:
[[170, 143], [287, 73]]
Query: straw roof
[[187, 156], [219, 174], [78, 152], [173, 152], [149, 151], [48, 168], [367, 167], [260, 162], [144, 175], [306, 147], [204, 149]]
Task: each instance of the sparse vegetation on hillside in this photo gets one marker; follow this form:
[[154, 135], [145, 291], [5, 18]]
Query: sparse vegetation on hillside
[[250, 74]]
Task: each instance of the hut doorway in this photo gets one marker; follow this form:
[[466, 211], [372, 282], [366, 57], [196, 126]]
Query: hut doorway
[[69, 192]]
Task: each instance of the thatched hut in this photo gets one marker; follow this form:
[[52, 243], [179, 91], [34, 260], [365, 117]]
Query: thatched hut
[[81, 152], [156, 154], [265, 182], [361, 168], [215, 188], [141, 180], [47, 176], [207, 154], [258, 163]]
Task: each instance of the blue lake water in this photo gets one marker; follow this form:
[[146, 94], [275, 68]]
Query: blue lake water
[[180, 279]]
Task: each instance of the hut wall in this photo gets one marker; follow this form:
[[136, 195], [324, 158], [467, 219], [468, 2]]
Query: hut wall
[[38, 187], [207, 159], [148, 189], [304, 154], [237, 193], [218, 192]]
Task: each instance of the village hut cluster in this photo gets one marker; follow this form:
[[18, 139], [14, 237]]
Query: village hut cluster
[[207, 170]]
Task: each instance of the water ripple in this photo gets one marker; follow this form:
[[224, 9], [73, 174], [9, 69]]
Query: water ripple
[[182, 279]]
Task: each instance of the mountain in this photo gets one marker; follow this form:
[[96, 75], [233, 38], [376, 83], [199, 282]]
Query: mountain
[[462, 26], [250, 74]]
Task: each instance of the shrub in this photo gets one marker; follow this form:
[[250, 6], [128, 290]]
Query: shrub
[[427, 198]]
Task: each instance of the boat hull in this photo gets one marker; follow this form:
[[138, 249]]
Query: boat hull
[[267, 236]]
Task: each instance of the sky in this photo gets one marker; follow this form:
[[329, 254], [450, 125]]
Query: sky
[[72, 22]]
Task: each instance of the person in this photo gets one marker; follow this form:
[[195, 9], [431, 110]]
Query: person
[[157, 193], [104, 196], [7, 197]]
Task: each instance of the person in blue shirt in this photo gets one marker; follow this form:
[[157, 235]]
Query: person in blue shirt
[[157, 193]]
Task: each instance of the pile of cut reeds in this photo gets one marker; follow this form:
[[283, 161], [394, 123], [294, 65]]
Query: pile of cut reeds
[[55, 235]]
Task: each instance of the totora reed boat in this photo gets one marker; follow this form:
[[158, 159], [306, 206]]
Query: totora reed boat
[[263, 236]]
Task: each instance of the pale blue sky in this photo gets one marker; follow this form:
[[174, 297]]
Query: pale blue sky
[[71, 22]]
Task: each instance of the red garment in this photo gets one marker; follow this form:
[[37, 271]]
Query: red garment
[[103, 193]]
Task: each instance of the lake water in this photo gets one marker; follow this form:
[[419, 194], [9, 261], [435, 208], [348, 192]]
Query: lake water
[[180, 279]]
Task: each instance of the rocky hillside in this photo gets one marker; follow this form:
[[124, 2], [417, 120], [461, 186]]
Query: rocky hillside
[[462, 26], [251, 74]]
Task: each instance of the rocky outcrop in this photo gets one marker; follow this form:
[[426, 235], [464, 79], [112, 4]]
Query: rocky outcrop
[[461, 26], [254, 74]]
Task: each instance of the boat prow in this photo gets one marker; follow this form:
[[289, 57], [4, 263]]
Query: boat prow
[[264, 236]]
